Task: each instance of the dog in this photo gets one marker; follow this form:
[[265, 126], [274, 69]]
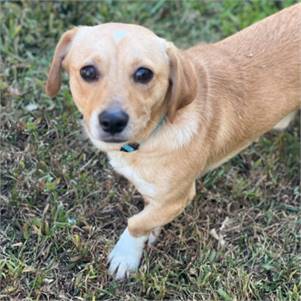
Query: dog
[[165, 116]]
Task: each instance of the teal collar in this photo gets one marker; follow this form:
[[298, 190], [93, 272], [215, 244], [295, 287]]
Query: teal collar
[[131, 147], [128, 148]]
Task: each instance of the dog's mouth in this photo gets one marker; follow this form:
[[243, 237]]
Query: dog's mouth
[[113, 139], [104, 137]]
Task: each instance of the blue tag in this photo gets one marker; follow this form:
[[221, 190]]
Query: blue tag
[[128, 148]]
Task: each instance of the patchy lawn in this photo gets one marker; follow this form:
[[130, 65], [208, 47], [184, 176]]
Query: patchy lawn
[[62, 207]]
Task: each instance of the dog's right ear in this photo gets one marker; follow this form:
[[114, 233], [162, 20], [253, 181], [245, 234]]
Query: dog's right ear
[[183, 81], [54, 75]]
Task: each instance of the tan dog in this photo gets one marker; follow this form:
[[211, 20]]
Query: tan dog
[[165, 116]]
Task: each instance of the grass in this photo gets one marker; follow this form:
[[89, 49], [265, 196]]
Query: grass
[[62, 207]]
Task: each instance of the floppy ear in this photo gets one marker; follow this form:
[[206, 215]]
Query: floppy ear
[[183, 81], [54, 75]]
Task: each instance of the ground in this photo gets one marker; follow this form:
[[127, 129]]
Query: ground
[[62, 207]]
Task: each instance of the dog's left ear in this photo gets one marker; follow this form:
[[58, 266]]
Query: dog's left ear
[[54, 75], [183, 81]]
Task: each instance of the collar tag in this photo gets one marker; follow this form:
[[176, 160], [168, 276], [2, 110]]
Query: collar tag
[[131, 147], [128, 148]]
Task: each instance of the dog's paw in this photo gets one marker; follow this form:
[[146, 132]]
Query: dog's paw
[[153, 237], [126, 255]]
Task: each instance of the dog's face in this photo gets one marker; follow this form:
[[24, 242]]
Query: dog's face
[[121, 78], [118, 76]]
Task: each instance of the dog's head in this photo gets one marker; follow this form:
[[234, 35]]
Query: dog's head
[[122, 78]]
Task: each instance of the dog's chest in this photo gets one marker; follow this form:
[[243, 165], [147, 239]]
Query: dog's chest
[[125, 167]]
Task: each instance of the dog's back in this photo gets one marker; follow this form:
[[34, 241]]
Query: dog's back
[[253, 80], [270, 54]]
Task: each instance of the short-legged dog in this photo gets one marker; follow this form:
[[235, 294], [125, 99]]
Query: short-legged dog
[[165, 116]]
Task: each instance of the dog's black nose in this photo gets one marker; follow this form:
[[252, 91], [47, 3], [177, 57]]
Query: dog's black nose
[[113, 122]]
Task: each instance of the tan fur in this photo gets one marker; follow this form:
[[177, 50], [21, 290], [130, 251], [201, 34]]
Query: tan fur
[[219, 99], [184, 82], [54, 75]]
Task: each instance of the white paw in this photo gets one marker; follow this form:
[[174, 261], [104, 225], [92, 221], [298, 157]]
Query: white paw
[[126, 255], [152, 239]]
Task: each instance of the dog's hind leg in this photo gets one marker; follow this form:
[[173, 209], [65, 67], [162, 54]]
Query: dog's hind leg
[[284, 123]]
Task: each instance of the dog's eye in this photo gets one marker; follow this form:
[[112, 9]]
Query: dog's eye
[[143, 75], [89, 73]]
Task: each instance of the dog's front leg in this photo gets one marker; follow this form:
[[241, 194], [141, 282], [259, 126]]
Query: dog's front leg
[[126, 255]]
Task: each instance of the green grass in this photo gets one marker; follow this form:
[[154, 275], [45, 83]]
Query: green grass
[[62, 207]]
